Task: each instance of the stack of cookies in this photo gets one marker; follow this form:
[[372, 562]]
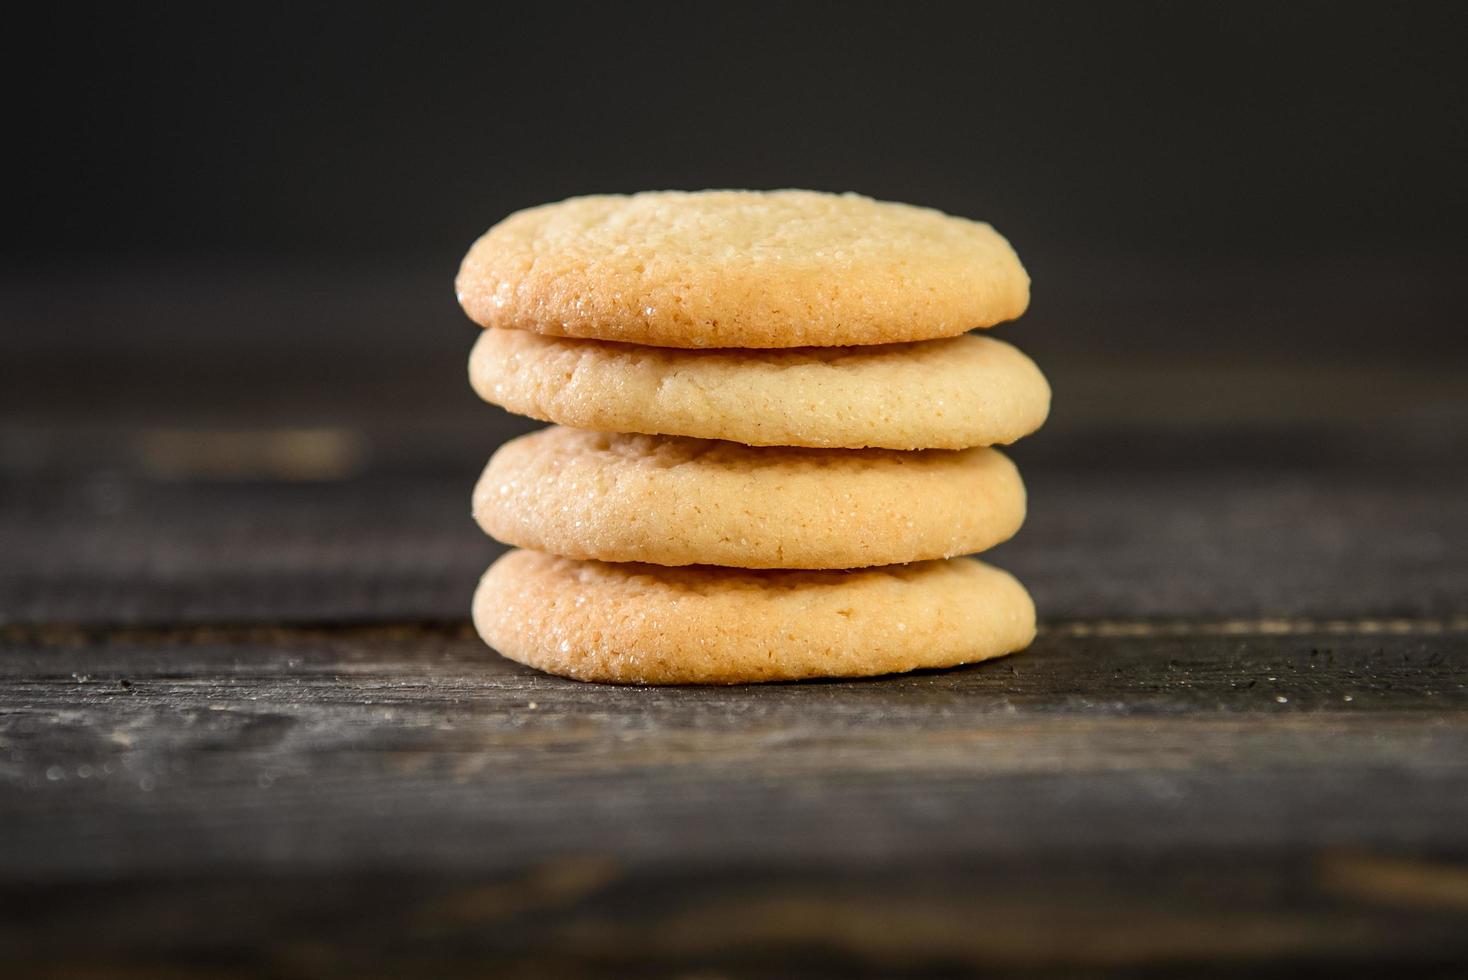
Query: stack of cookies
[[772, 436]]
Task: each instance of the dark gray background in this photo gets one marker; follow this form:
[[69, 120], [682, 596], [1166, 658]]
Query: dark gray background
[[398, 131]]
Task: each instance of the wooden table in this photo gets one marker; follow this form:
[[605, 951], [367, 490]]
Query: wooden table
[[245, 728]]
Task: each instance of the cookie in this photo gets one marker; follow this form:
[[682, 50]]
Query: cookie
[[646, 624], [741, 269], [669, 500], [934, 394]]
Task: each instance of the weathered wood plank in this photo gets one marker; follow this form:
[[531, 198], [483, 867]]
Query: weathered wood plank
[[1184, 542], [324, 742], [1338, 913], [394, 798]]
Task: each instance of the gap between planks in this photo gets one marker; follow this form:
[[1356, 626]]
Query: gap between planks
[[64, 634], [1257, 627]]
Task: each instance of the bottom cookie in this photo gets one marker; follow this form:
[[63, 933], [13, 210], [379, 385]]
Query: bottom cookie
[[647, 624]]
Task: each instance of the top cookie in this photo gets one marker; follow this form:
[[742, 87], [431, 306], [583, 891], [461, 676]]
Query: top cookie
[[741, 269]]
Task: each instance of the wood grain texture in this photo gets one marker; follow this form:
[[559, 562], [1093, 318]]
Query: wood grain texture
[[1099, 542], [245, 729], [1211, 796]]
